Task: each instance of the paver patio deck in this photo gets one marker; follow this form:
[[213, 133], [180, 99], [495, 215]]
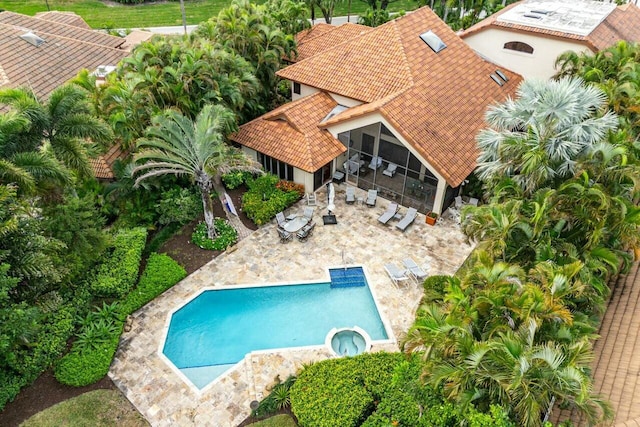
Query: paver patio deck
[[164, 398]]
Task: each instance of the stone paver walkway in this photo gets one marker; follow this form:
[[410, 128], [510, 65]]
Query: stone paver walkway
[[165, 399], [616, 367]]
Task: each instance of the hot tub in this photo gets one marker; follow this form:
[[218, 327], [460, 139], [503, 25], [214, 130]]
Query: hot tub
[[348, 341]]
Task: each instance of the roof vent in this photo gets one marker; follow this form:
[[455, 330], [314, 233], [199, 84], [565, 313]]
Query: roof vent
[[434, 42], [32, 39], [496, 79], [532, 15], [502, 75]]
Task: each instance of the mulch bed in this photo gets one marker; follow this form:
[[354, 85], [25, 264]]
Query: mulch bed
[[46, 391]]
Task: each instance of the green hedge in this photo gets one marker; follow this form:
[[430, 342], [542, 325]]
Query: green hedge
[[118, 274], [86, 365], [264, 200]]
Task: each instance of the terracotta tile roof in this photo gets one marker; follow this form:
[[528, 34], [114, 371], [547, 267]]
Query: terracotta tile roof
[[103, 165], [291, 134], [134, 38], [68, 18], [54, 62], [623, 23], [321, 37], [435, 101], [44, 27], [616, 367]]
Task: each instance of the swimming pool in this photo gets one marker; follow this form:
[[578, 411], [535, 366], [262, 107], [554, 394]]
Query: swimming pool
[[216, 329]]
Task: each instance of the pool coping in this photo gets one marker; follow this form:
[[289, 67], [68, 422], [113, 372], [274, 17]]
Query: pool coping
[[238, 365]]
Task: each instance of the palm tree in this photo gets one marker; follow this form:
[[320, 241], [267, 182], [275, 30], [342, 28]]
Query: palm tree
[[176, 145], [537, 138]]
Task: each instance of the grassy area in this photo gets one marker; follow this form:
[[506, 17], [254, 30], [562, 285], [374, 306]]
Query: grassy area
[[277, 421], [114, 15], [98, 408]]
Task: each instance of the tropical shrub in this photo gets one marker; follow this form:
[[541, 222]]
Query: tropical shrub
[[235, 179], [289, 186], [279, 398], [264, 199], [117, 275], [178, 205], [89, 360], [226, 236]]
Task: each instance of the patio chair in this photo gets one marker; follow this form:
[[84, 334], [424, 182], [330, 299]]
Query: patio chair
[[397, 276], [390, 170], [284, 235], [408, 219], [389, 213], [281, 219], [375, 163], [414, 270], [308, 213], [372, 197], [458, 202], [311, 199], [306, 231], [350, 195]]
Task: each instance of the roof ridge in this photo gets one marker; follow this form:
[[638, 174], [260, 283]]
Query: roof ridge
[[396, 31]]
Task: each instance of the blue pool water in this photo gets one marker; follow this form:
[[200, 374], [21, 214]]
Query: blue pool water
[[218, 328]]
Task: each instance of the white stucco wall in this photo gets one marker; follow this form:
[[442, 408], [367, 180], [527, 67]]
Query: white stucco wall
[[539, 64], [343, 100], [304, 91]]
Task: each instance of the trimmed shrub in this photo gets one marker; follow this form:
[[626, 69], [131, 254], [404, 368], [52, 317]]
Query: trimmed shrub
[[178, 205], [227, 236], [118, 274], [90, 361], [235, 179], [264, 199]]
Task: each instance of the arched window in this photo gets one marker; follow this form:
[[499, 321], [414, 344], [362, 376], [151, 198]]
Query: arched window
[[519, 47]]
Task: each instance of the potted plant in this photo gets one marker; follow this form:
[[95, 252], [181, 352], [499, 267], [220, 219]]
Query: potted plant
[[431, 218]]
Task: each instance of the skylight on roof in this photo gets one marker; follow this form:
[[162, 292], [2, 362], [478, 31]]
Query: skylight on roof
[[32, 39], [434, 42]]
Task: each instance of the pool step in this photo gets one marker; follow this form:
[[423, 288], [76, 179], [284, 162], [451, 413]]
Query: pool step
[[347, 283], [347, 278]]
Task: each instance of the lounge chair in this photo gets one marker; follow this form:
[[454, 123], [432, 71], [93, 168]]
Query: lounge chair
[[390, 170], [281, 219], [408, 219], [284, 235], [414, 270], [397, 276], [372, 197], [375, 163], [351, 195], [308, 213], [389, 213]]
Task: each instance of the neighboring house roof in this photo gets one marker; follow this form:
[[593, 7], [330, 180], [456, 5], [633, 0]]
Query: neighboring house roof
[[65, 51], [435, 101], [44, 27], [321, 37], [291, 134], [623, 23], [616, 365], [134, 38], [67, 18], [103, 165]]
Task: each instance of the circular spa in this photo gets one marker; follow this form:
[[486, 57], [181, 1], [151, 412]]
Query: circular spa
[[348, 341]]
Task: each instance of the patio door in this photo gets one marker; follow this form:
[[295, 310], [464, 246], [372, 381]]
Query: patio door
[[321, 176]]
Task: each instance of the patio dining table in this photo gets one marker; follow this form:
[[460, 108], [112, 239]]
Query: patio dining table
[[296, 224]]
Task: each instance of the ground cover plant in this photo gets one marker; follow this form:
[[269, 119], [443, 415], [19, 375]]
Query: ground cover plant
[[226, 236]]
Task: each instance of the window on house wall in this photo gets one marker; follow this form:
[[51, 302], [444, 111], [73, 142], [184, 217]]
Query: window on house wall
[[519, 47], [296, 88], [276, 167]]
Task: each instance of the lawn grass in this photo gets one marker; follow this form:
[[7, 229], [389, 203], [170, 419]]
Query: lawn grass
[[282, 420], [98, 408], [163, 13]]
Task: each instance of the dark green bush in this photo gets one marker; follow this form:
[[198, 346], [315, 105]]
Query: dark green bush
[[227, 236], [263, 200], [435, 287], [86, 364], [117, 275], [178, 205], [278, 398]]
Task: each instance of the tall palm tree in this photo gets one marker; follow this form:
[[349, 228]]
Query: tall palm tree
[[537, 138], [176, 145]]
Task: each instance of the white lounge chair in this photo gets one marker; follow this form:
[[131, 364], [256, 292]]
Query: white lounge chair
[[390, 170], [389, 213], [408, 219], [397, 276], [372, 197], [414, 270], [350, 195], [375, 163]]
